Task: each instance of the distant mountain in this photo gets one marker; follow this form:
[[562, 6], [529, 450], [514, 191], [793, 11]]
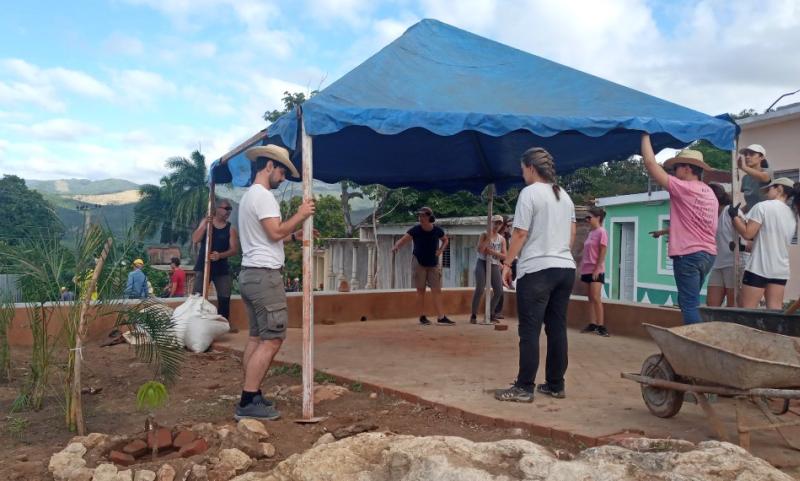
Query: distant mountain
[[70, 187]]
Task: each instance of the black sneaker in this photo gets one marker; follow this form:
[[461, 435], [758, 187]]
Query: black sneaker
[[473, 319], [256, 410], [499, 316], [266, 401], [424, 321], [590, 328], [602, 331], [545, 389], [513, 394], [444, 321]]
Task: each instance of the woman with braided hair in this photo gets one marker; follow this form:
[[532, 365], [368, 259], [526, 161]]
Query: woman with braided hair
[[544, 230]]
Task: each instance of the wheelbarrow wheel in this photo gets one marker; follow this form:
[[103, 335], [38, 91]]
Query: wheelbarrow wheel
[[663, 403]]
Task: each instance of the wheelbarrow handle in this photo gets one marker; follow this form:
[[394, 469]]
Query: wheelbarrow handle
[[791, 309]]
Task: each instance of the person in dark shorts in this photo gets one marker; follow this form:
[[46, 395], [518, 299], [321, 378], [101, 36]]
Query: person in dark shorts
[[263, 233], [430, 242], [593, 269], [224, 244]]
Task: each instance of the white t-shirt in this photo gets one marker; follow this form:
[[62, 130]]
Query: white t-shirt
[[258, 250], [724, 237], [496, 245], [549, 225], [770, 253]]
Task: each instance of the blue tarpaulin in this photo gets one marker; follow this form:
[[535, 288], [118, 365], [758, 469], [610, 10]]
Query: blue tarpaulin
[[443, 108]]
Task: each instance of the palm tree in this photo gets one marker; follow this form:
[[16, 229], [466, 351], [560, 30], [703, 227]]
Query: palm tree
[[190, 191]]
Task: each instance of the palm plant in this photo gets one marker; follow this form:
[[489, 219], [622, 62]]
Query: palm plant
[[190, 191]]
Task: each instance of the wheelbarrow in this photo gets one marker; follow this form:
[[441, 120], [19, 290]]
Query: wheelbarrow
[[728, 360]]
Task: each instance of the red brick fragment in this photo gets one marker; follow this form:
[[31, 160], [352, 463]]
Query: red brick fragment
[[198, 446], [183, 438], [118, 457], [135, 448], [160, 438]]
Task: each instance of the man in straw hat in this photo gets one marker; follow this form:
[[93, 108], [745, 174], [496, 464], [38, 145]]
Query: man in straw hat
[[261, 235], [692, 222]]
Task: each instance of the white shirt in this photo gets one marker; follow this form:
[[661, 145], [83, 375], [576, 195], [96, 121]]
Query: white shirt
[[770, 253], [724, 238], [549, 224], [495, 245], [258, 250]]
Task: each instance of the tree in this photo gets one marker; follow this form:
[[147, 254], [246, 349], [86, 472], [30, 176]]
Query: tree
[[26, 213], [327, 220], [611, 178], [290, 101], [713, 156]]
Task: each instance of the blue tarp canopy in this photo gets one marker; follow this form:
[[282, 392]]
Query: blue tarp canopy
[[442, 108]]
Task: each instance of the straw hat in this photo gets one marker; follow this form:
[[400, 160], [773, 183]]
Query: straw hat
[[274, 153], [688, 156], [784, 181], [497, 218]]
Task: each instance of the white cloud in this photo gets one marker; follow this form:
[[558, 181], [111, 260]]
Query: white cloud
[[58, 129], [140, 87], [355, 13], [122, 44]]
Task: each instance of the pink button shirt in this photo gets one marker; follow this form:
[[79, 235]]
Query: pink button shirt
[[693, 217], [591, 251]]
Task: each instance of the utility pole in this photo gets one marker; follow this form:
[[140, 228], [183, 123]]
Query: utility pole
[[87, 214]]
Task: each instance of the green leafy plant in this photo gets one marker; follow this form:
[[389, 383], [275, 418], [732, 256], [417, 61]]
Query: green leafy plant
[[6, 316], [151, 395], [151, 325], [16, 425]]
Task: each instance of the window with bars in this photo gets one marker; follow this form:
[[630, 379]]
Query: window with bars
[[446, 257]]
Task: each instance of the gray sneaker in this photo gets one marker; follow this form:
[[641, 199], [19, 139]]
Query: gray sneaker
[[266, 401], [513, 394], [257, 410], [545, 389]]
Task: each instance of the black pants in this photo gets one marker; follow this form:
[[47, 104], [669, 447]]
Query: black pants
[[542, 298]]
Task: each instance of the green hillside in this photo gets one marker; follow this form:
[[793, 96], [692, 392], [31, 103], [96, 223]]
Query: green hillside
[[81, 186]]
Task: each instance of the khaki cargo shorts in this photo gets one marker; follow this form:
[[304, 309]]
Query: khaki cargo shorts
[[431, 276], [265, 300]]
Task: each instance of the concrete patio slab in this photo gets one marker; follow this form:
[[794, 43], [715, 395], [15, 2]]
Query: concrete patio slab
[[458, 367]]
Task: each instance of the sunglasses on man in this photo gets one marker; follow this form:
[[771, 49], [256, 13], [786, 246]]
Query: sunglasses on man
[[228, 208]]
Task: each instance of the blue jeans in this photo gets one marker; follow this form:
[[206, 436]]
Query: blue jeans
[[690, 272]]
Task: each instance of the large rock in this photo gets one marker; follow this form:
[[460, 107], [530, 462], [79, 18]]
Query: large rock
[[385, 457], [235, 458], [68, 462]]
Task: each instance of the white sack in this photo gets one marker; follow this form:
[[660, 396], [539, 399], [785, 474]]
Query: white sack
[[197, 323]]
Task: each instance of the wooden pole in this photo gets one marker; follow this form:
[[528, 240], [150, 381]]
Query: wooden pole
[[209, 229], [487, 291], [77, 404], [308, 276], [736, 197]]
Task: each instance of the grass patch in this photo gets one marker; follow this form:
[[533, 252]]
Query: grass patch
[[322, 378], [16, 425], [291, 370], [357, 387]]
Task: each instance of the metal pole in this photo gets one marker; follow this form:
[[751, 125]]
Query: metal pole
[[736, 197], [487, 314], [209, 228], [308, 276]]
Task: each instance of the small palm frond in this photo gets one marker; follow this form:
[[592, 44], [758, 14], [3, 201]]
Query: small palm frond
[[151, 324]]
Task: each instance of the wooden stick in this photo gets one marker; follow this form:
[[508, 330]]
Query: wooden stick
[[308, 276], [736, 196], [791, 309], [487, 291], [76, 404], [724, 391], [209, 229]]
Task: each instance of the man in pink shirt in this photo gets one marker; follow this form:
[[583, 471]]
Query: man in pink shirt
[[692, 222]]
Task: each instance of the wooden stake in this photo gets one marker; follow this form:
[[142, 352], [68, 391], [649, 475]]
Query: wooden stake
[[308, 276], [76, 404], [736, 197], [487, 291], [209, 229]]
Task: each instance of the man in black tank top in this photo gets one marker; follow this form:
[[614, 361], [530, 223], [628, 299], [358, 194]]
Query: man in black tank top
[[224, 244]]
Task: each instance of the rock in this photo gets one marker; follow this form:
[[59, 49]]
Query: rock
[[183, 438], [328, 392], [236, 459], [166, 473], [67, 462], [135, 448], [221, 472], [223, 433], [267, 450], [126, 475], [353, 429], [254, 427], [380, 457], [144, 475], [91, 440], [199, 473], [324, 439], [373, 395], [105, 472], [516, 432], [643, 444], [83, 474], [198, 446], [205, 430], [123, 459], [161, 438]]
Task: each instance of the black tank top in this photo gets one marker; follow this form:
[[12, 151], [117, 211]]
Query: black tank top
[[220, 242]]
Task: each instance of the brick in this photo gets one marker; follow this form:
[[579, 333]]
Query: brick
[[160, 438], [183, 438], [135, 448], [198, 446], [123, 459]]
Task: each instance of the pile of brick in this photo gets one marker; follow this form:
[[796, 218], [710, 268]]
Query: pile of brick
[[160, 441]]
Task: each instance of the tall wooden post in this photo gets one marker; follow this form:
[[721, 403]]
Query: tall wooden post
[[487, 311], [308, 279], [736, 197], [209, 230]]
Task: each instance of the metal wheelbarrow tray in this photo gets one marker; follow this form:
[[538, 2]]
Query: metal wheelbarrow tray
[[722, 359], [766, 320]]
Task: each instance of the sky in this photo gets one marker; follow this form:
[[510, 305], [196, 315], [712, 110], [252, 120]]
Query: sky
[[98, 89]]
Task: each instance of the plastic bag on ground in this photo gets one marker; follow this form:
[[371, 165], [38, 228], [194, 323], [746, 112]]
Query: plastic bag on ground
[[197, 323]]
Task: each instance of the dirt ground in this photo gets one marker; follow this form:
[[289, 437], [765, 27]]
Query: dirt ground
[[206, 391]]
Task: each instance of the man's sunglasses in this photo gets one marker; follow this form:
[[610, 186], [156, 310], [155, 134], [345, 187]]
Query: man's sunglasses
[[228, 208]]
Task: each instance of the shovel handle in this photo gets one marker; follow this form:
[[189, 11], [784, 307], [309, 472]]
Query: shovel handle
[[791, 309]]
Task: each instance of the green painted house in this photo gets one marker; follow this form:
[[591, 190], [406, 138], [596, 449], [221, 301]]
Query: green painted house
[[637, 266]]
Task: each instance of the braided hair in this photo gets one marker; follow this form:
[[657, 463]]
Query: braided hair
[[541, 160]]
